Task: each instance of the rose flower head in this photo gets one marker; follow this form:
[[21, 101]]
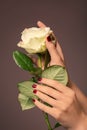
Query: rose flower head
[[33, 39]]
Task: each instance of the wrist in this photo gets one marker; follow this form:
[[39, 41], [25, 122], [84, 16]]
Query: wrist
[[81, 124], [81, 97]]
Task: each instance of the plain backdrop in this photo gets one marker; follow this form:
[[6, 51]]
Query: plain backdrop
[[68, 19]]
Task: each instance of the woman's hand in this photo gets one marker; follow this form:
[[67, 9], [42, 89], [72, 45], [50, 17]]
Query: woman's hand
[[55, 51], [66, 108], [64, 105]]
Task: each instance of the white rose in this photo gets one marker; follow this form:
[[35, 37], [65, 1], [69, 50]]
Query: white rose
[[34, 39]]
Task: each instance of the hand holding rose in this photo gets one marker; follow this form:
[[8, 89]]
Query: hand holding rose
[[65, 106]]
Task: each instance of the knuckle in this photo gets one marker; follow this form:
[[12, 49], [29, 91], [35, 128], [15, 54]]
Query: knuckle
[[71, 100], [72, 94], [64, 108], [52, 45], [43, 107], [47, 91], [58, 116], [52, 93]]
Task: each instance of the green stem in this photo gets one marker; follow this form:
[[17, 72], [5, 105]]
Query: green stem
[[39, 60], [47, 121], [47, 59]]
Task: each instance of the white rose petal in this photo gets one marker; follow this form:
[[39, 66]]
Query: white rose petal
[[33, 39]]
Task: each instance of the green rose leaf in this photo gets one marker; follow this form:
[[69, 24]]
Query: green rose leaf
[[25, 63], [26, 94], [22, 60], [56, 72], [25, 102], [56, 125], [26, 88]]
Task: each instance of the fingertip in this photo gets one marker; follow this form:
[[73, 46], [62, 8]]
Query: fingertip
[[40, 24], [39, 79], [49, 43], [33, 100]]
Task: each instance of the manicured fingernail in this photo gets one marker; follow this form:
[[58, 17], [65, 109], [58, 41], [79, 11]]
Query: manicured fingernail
[[34, 86], [39, 79], [35, 91], [33, 100], [48, 38]]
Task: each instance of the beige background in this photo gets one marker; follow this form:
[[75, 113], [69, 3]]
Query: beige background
[[68, 20]]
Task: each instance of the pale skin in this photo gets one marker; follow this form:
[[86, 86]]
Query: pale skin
[[69, 104]]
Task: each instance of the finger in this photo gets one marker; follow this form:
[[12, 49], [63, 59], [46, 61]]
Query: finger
[[46, 98], [41, 24], [50, 91], [55, 84], [55, 57], [59, 49], [46, 109], [59, 104]]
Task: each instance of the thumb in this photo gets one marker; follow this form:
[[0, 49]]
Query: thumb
[[55, 57]]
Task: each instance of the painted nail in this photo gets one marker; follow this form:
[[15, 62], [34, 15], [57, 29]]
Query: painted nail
[[49, 38], [35, 91], [33, 100], [34, 86], [39, 79]]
